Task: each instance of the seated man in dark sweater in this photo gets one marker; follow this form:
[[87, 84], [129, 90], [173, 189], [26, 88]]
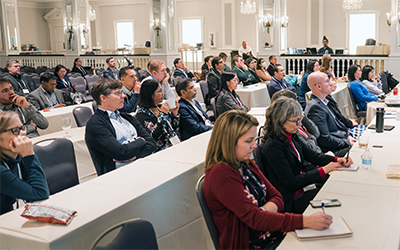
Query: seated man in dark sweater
[[114, 139]]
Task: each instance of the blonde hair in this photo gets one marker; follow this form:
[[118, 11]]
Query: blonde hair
[[228, 128], [6, 118]]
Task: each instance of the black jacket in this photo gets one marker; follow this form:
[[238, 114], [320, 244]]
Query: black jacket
[[103, 146], [282, 168], [214, 83], [335, 109]]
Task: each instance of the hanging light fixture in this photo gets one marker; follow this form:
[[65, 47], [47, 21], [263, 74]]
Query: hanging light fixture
[[248, 7], [352, 4], [92, 13]]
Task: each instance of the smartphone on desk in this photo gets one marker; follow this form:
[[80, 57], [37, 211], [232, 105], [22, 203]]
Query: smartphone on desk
[[327, 203]]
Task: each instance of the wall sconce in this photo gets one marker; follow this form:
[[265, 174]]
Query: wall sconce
[[267, 21], [157, 26], [285, 21], [388, 19]]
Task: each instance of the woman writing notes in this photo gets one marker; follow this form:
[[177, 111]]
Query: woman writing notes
[[242, 201], [21, 175]]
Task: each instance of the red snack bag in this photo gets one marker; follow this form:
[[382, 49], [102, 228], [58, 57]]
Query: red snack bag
[[48, 214]]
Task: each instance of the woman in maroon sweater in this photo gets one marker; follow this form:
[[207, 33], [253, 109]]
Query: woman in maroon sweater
[[243, 203]]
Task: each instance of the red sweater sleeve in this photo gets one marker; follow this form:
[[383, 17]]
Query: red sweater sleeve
[[225, 185]]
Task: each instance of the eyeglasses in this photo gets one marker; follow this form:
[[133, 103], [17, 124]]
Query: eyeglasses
[[298, 121], [16, 130]]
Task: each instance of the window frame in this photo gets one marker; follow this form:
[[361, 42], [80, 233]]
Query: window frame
[[181, 19], [116, 31]]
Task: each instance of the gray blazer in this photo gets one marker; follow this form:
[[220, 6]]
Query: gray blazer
[[39, 100], [226, 101], [18, 85]]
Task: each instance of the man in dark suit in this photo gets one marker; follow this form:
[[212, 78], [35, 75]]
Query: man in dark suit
[[131, 88], [272, 62], [334, 135], [47, 96], [181, 69], [193, 120], [114, 139], [278, 81], [214, 78], [111, 71], [20, 86]]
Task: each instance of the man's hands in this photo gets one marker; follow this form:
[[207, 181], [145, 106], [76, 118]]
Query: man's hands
[[19, 101]]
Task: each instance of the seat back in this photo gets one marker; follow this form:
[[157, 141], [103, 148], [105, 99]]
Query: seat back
[[80, 84], [212, 228], [214, 107], [82, 115], [134, 234], [385, 85], [91, 80], [257, 158], [58, 163], [204, 89], [175, 81], [36, 81]]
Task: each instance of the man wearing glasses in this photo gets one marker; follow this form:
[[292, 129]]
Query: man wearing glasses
[[20, 86], [334, 135], [47, 96], [214, 78], [28, 114], [114, 139], [278, 81]]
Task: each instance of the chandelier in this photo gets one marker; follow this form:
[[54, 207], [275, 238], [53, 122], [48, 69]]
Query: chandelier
[[352, 4], [92, 14], [248, 7]]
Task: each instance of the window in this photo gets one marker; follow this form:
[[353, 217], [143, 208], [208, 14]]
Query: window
[[192, 33], [361, 27], [124, 33]]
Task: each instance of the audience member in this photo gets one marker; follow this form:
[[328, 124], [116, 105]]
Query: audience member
[[283, 155], [21, 175], [312, 66], [326, 64], [367, 77], [206, 67], [227, 98], [162, 123], [130, 88], [181, 69], [46, 96], [261, 70], [359, 90], [278, 82], [20, 86], [272, 61], [158, 72], [334, 107], [146, 73], [214, 78], [251, 66], [27, 113], [78, 68], [114, 139], [111, 71], [241, 70], [334, 135], [224, 56], [193, 120], [245, 51], [325, 49], [62, 80], [243, 203]]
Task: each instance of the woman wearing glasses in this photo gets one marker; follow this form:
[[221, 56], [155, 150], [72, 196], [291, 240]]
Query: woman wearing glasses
[[283, 155], [21, 175]]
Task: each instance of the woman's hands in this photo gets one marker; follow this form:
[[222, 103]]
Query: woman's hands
[[333, 166], [317, 221], [21, 145]]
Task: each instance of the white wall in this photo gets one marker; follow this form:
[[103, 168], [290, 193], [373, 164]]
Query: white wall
[[334, 26], [33, 28]]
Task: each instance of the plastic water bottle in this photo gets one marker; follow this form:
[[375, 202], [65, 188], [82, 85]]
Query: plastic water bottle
[[366, 159]]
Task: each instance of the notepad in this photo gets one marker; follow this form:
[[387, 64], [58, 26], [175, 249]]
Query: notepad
[[338, 229], [353, 167]]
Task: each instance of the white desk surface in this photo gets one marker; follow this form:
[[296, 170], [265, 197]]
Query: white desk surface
[[255, 95]]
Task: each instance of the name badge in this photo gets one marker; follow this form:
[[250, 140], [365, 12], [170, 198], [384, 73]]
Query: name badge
[[174, 140], [25, 91], [309, 187]]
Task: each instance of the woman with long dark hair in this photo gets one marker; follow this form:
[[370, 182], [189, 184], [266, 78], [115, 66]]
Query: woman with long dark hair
[[359, 90], [367, 77]]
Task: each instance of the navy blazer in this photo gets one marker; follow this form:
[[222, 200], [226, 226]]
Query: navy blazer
[[191, 123], [281, 166], [274, 86], [333, 133], [179, 73], [60, 83], [108, 73], [103, 146]]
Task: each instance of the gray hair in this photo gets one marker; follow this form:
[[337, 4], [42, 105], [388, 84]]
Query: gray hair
[[10, 62], [277, 114], [104, 86]]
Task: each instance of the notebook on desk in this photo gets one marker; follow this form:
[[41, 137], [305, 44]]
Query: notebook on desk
[[338, 229]]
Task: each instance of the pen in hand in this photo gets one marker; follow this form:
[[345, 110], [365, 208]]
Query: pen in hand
[[323, 207]]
